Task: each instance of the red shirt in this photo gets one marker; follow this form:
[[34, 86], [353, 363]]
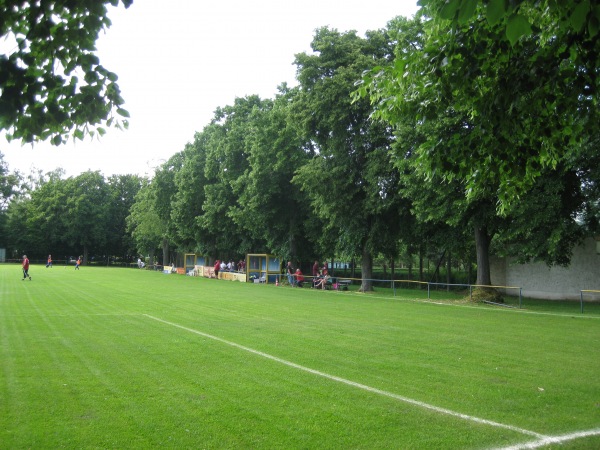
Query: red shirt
[[315, 270], [26, 264]]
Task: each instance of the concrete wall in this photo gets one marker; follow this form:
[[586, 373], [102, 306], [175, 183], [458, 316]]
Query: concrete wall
[[539, 281]]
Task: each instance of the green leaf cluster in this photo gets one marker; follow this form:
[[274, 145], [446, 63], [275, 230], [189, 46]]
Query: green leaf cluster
[[516, 18], [52, 85]]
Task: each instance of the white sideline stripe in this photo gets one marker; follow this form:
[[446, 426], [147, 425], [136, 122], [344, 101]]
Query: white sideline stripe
[[520, 311], [354, 384], [553, 440]]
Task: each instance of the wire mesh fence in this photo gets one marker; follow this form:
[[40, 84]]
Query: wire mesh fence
[[509, 296]]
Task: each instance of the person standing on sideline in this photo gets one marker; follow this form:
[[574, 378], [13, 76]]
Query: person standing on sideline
[[26, 268], [78, 263], [315, 269], [49, 263], [216, 268], [290, 273]]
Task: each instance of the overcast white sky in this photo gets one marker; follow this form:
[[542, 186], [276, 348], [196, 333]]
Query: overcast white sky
[[178, 61]]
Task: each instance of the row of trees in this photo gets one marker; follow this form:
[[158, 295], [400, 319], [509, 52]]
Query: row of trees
[[83, 215], [304, 175], [484, 140]]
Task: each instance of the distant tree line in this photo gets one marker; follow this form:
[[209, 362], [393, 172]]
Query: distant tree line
[[78, 216], [447, 134]]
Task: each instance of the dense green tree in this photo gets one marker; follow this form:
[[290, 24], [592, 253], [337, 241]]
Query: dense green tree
[[227, 152], [234, 189], [544, 225], [519, 18], [351, 181], [9, 187], [15, 231], [187, 210], [34, 224], [64, 217], [123, 189], [46, 217], [10, 183], [525, 107], [491, 120], [52, 85], [85, 217], [269, 207], [163, 192], [144, 224]]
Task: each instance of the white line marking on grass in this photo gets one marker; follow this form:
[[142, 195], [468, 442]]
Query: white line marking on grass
[[480, 308], [354, 384], [553, 440]]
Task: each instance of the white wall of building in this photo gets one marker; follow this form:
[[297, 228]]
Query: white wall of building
[[540, 281]]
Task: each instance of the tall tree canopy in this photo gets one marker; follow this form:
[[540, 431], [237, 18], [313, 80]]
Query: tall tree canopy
[[163, 192], [517, 108], [227, 152], [52, 85], [350, 181], [122, 191], [187, 212], [495, 119], [269, 207], [9, 183], [144, 224], [516, 18]]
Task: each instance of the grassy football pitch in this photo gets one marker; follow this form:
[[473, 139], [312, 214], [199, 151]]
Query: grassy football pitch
[[125, 358]]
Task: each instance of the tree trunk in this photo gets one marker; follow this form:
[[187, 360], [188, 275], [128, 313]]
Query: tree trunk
[[421, 268], [448, 270], [482, 245], [436, 274], [293, 246], [470, 271], [367, 270], [165, 250]]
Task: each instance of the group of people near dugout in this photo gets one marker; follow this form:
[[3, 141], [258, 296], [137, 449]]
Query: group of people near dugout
[[320, 275], [222, 266]]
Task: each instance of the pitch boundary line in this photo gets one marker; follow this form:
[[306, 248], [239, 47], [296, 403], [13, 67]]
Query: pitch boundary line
[[506, 310], [355, 384], [553, 440]]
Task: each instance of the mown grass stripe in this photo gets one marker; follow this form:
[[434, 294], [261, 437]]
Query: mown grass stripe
[[354, 384]]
